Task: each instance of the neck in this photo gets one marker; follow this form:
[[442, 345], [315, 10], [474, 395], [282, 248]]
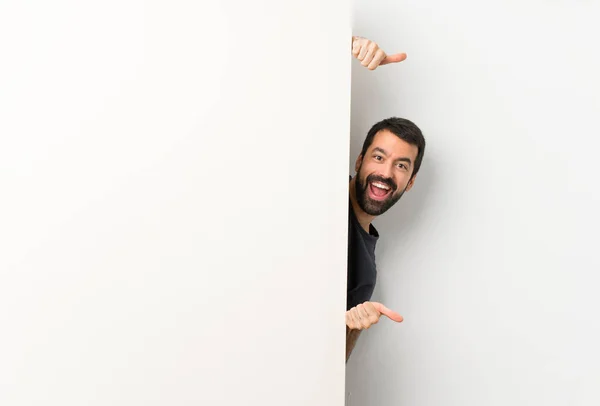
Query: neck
[[364, 219]]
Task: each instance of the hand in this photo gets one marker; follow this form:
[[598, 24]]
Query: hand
[[370, 55], [366, 314]]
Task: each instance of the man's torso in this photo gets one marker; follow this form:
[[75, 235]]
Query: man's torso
[[362, 270]]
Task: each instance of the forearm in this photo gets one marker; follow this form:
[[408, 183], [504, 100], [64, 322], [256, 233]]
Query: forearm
[[351, 339]]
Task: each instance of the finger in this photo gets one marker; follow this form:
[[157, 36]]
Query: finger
[[349, 321], [355, 47], [361, 311], [354, 324], [357, 319], [372, 313], [379, 56], [393, 58], [363, 315], [387, 312], [363, 51], [371, 49]]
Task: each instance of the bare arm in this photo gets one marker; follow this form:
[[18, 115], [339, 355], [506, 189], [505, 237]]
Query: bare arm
[[351, 339]]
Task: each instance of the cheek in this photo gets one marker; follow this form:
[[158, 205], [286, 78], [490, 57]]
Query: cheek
[[365, 171], [402, 182]]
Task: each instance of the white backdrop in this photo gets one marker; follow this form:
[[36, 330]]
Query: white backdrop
[[492, 257], [170, 230]]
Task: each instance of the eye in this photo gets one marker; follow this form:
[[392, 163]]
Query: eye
[[401, 166], [378, 157]]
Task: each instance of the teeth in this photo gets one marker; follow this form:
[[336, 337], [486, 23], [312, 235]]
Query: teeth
[[380, 186]]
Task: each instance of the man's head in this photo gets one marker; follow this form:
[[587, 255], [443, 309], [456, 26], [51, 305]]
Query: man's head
[[388, 164]]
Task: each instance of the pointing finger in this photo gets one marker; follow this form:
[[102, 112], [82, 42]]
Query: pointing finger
[[387, 312], [393, 59]]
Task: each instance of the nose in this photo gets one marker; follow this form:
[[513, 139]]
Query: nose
[[386, 171]]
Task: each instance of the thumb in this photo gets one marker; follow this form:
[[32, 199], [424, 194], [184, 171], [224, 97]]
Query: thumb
[[393, 59], [387, 312]]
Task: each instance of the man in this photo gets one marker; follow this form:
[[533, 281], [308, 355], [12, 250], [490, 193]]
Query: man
[[386, 168]]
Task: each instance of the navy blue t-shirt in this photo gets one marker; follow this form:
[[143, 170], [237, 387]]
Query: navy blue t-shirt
[[362, 271]]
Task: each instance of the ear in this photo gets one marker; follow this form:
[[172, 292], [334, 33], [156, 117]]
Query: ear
[[358, 162], [411, 182]]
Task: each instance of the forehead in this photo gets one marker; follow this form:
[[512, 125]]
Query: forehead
[[393, 145]]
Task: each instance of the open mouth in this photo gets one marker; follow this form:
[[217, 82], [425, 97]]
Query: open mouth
[[379, 191]]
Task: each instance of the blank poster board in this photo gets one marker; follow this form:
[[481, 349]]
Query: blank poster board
[[174, 202], [492, 258]]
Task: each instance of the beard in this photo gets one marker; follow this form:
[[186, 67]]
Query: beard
[[371, 206]]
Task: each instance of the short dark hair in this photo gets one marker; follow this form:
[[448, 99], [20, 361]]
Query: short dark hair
[[406, 130]]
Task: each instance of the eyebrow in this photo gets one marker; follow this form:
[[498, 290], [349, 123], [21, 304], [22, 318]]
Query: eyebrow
[[402, 159]]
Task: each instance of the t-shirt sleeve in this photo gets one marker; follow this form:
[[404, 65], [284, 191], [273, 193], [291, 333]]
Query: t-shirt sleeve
[[360, 295]]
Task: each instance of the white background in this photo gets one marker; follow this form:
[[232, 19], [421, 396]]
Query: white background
[[492, 258], [171, 230]]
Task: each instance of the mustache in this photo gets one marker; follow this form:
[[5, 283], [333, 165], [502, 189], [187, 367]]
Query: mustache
[[386, 181]]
